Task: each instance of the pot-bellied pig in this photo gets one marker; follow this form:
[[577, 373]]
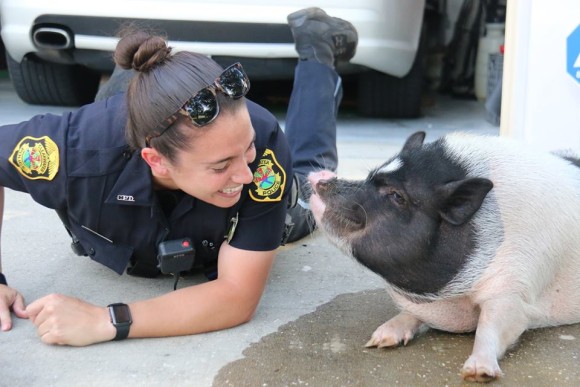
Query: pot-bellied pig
[[471, 233]]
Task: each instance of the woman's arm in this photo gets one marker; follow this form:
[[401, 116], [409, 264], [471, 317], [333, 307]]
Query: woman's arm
[[226, 302], [8, 296], [1, 219]]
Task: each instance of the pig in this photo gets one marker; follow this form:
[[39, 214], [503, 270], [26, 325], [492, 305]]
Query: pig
[[470, 233]]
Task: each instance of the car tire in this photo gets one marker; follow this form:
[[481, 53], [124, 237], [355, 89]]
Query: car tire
[[39, 82], [386, 96]]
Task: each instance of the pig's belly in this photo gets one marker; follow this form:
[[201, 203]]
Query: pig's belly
[[560, 303], [455, 315]]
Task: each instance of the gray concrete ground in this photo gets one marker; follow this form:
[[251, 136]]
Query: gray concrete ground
[[318, 310]]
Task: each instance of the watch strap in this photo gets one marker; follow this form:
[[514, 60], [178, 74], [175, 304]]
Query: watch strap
[[122, 332]]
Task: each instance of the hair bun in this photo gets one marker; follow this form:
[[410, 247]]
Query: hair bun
[[141, 51]]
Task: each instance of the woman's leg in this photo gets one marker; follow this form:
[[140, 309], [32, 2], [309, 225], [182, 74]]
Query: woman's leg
[[310, 127]]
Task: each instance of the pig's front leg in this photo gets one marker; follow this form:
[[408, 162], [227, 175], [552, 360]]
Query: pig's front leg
[[500, 324], [399, 329]]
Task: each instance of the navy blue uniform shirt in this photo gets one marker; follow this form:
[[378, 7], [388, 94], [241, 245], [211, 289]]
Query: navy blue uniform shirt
[[80, 162]]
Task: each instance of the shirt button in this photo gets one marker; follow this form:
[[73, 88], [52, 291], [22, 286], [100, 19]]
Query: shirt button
[[126, 155], [91, 251]]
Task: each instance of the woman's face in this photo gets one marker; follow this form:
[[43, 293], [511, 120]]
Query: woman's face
[[215, 168]]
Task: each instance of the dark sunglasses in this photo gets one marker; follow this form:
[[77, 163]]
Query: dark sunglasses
[[203, 107]]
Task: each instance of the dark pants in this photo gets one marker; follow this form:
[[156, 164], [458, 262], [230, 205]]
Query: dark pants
[[310, 128], [311, 132]]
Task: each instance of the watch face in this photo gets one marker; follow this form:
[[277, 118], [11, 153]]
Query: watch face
[[121, 314]]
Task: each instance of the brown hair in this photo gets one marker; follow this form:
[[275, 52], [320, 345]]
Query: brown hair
[[160, 88]]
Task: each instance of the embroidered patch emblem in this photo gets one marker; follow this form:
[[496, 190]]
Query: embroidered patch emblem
[[269, 179], [36, 158]]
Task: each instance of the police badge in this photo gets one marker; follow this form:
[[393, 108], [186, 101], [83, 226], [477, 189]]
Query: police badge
[[269, 179], [36, 158]]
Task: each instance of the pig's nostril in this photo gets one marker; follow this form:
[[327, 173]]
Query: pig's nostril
[[321, 186], [324, 185]]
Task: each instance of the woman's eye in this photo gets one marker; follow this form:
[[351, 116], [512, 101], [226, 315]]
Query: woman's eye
[[220, 169]]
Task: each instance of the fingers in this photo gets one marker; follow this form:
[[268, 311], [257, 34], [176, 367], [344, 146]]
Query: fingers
[[40, 312], [35, 310], [19, 308], [5, 318], [50, 333], [10, 298]]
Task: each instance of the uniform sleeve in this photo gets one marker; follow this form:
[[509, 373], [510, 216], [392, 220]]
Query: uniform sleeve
[[32, 158], [263, 212]]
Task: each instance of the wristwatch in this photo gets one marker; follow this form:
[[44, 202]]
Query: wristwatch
[[121, 320]]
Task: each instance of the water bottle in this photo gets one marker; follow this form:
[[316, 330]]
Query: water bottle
[[488, 44]]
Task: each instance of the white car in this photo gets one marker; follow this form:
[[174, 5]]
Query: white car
[[57, 50]]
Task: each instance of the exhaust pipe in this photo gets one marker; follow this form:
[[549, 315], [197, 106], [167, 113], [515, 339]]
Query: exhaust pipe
[[52, 38]]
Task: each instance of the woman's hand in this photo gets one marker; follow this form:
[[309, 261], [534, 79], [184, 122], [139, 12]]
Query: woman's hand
[[10, 298], [67, 320]]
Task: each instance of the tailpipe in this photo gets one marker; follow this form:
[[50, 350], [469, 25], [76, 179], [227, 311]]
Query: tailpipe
[[52, 38]]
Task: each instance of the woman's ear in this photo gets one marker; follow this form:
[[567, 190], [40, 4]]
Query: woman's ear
[[155, 160]]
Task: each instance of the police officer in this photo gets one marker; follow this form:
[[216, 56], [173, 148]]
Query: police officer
[[181, 161]]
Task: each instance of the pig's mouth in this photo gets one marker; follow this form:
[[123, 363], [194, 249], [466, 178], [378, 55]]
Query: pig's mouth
[[351, 218], [340, 218]]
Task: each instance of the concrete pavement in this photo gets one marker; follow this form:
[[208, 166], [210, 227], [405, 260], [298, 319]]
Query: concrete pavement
[[318, 310]]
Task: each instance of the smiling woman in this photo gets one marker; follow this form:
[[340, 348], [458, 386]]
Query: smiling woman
[[180, 173]]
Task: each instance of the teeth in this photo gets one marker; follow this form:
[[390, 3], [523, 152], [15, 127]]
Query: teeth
[[232, 190]]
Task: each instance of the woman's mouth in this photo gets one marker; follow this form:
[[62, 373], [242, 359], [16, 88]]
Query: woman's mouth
[[232, 190]]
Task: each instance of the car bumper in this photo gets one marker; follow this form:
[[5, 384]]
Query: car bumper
[[389, 30]]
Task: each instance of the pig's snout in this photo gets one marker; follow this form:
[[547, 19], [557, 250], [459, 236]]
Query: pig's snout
[[319, 183], [320, 180]]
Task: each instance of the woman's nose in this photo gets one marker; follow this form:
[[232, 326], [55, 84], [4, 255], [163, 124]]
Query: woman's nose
[[243, 174]]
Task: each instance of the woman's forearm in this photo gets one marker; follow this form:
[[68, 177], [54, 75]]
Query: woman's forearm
[[226, 302], [201, 308]]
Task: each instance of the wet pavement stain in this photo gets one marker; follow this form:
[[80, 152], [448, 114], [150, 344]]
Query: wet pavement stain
[[326, 348]]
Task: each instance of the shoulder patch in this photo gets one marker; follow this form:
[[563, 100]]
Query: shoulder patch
[[36, 158], [269, 179]]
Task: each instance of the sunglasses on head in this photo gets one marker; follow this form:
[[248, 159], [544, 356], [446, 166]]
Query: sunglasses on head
[[203, 107]]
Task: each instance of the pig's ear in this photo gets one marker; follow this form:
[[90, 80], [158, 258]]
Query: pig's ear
[[414, 141], [459, 200]]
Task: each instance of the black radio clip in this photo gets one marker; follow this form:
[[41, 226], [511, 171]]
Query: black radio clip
[[175, 256]]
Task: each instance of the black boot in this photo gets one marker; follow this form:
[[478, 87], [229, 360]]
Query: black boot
[[322, 38]]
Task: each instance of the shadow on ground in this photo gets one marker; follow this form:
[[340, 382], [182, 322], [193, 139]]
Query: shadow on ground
[[326, 348]]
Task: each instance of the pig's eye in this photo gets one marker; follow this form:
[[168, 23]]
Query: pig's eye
[[396, 198], [392, 195]]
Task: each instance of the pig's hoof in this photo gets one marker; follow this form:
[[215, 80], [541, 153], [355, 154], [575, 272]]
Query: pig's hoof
[[400, 329], [479, 370]]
